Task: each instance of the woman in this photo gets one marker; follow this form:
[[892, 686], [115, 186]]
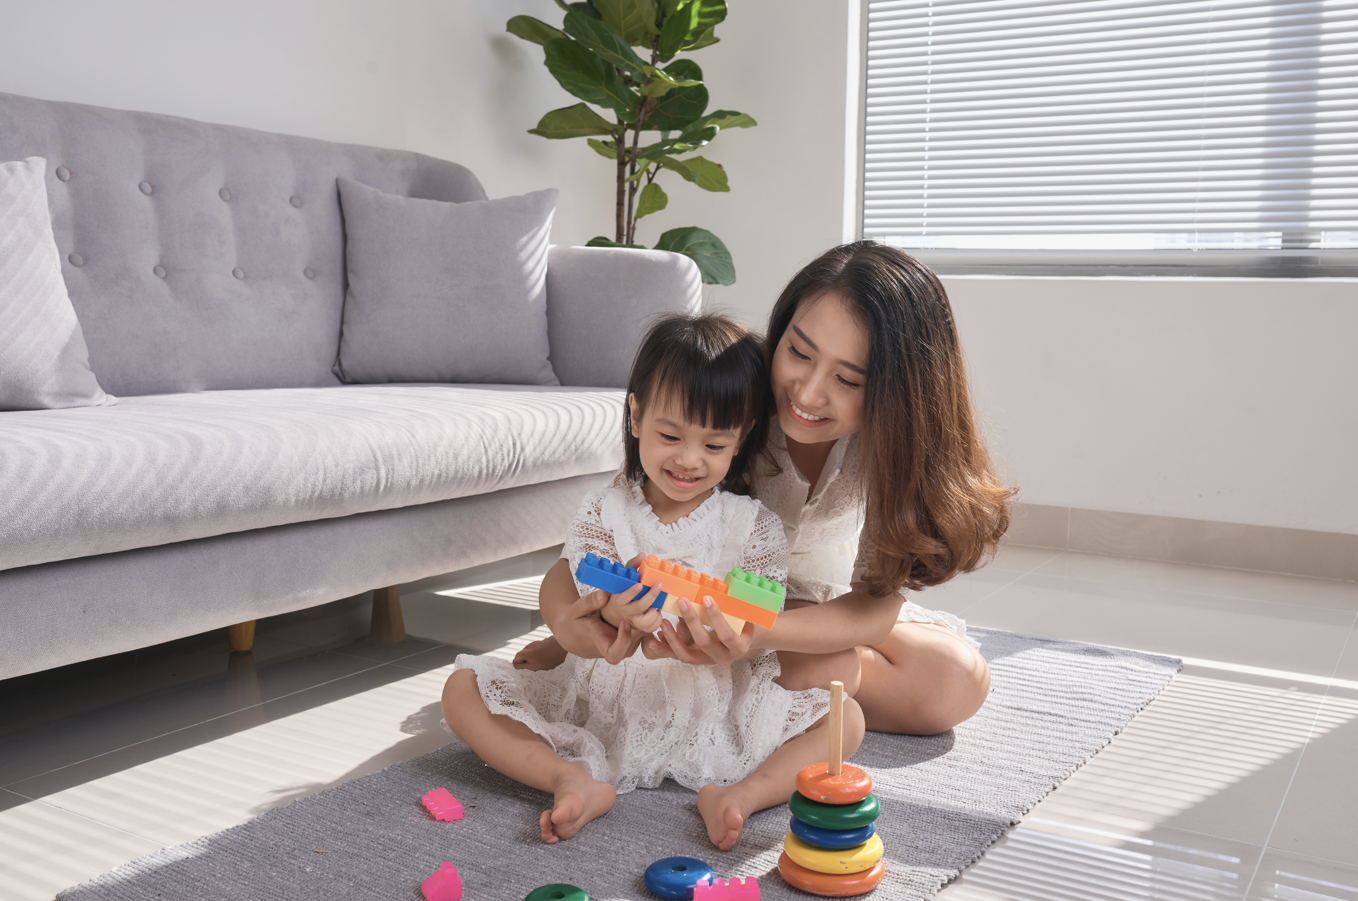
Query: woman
[[873, 429]]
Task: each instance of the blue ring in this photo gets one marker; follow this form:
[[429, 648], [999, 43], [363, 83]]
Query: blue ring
[[832, 839], [675, 877]]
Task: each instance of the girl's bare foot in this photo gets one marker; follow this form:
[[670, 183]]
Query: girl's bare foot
[[723, 813], [539, 655], [577, 800]]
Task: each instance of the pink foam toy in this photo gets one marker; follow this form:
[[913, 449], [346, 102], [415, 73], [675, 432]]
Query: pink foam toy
[[746, 889], [442, 805], [443, 884]]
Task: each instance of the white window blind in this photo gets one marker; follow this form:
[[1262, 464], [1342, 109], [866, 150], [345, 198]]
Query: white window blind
[[1111, 125]]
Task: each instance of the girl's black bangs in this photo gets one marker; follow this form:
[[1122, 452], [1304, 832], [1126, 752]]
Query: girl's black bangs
[[718, 392]]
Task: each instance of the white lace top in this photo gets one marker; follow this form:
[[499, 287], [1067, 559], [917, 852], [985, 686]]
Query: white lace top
[[824, 524]]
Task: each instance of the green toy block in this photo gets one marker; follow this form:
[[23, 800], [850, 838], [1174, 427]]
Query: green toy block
[[754, 589]]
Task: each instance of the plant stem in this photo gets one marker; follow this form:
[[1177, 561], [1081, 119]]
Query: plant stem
[[632, 188], [620, 223]]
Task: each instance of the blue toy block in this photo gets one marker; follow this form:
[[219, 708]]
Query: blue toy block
[[614, 578]]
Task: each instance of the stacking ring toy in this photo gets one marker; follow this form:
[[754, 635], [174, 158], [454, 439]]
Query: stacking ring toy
[[675, 877], [849, 787], [831, 838], [834, 816], [824, 860], [799, 877], [558, 892]]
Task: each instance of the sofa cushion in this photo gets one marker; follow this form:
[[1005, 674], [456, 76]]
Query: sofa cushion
[[445, 292], [44, 363], [166, 468]]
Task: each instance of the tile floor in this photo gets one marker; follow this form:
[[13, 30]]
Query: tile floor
[[1239, 782]]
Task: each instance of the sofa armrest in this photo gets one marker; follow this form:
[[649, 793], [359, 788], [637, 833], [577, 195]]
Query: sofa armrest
[[601, 300]]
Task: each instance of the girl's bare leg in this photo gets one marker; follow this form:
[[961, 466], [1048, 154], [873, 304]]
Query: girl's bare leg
[[546, 653], [726, 808], [510, 747]]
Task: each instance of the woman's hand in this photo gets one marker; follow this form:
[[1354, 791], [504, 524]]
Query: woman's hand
[[695, 643]]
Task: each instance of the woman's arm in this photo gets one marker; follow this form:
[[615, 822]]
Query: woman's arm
[[850, 620], [575, 621]]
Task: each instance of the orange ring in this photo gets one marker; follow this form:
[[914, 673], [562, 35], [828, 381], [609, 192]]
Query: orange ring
[[849, 787], [827, 886]]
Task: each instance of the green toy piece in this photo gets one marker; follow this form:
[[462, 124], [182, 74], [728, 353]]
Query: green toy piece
[[559, 891], [752, 589], [834, 816]]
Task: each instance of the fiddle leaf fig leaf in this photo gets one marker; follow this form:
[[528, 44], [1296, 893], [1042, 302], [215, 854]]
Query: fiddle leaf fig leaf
[[659, 82], [701, 171], [534, 30], [604, 242], [584, 9], [706, 39], [600, 37], [572, 122], [633, 19], [584, 74], [681, 106], [705, 249], [605, 150], [652, 200], [724, 118], [688, 141]]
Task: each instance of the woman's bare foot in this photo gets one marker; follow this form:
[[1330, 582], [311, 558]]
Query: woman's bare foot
[[723, 814], [577, 800], [539, 655]]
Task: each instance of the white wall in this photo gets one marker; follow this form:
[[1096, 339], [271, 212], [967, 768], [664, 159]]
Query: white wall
[[1231, 400], [442, 78]]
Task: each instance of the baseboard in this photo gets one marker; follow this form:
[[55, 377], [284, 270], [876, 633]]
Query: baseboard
[[1300, 552]]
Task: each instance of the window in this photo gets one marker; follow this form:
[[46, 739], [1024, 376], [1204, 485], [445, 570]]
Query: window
[[1186, 136]]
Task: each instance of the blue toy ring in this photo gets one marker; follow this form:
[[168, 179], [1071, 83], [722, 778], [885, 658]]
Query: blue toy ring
[[675, 877], [833, 839]]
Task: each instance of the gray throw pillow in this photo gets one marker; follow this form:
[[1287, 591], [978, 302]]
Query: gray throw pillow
[[445, 292], [44, 363]]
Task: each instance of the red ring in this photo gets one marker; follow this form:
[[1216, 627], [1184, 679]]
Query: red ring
[[849, 787], [826, 885]]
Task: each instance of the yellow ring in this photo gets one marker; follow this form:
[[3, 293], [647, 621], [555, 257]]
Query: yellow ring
[[823, 860]]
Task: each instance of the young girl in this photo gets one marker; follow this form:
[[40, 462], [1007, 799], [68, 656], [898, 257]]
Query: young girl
[[587, 729]]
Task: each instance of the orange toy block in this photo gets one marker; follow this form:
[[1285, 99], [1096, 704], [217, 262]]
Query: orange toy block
[[681, 582]]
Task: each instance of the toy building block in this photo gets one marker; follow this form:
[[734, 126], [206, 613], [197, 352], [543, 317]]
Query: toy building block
[[443, 884], [746, 889], [692, 585], [754, 589], [442, 805], [614, 578]]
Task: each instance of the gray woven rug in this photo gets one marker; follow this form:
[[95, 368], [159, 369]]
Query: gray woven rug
[[945, 799]]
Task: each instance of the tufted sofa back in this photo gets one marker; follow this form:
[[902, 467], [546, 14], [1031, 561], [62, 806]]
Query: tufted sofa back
[[204, 256]]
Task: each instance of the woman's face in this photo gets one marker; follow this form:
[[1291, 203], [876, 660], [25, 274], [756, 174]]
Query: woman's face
[[819, 369]]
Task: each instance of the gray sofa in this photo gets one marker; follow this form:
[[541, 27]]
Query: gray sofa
[[236, 477]]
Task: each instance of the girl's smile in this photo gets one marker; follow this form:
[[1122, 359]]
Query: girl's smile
[[683, 460]]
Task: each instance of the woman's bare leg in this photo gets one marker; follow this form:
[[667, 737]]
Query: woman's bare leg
[[726, 808], [510, 747], [921, 681]]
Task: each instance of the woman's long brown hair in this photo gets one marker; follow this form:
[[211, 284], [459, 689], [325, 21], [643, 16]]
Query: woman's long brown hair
[[935, 506]]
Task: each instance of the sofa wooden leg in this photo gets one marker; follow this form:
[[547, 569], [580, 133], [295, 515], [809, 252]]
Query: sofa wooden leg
[[241, 637], [388, 627]]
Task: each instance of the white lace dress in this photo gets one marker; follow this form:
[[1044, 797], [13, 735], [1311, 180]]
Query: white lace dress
[[823, 529], [643, 720]]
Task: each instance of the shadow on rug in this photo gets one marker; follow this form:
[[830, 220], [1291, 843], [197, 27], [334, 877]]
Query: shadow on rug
[[945, 799]]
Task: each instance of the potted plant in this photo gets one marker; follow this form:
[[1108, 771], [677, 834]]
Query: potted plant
[[655, 91]]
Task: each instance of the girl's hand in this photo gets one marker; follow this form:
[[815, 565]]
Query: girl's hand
[[634, 608], [693, 642]]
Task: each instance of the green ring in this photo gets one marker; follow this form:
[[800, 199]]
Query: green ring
[[559, 891], [833, 816]]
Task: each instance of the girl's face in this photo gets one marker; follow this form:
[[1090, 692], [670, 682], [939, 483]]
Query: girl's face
[[819, 370], [683, 459]]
